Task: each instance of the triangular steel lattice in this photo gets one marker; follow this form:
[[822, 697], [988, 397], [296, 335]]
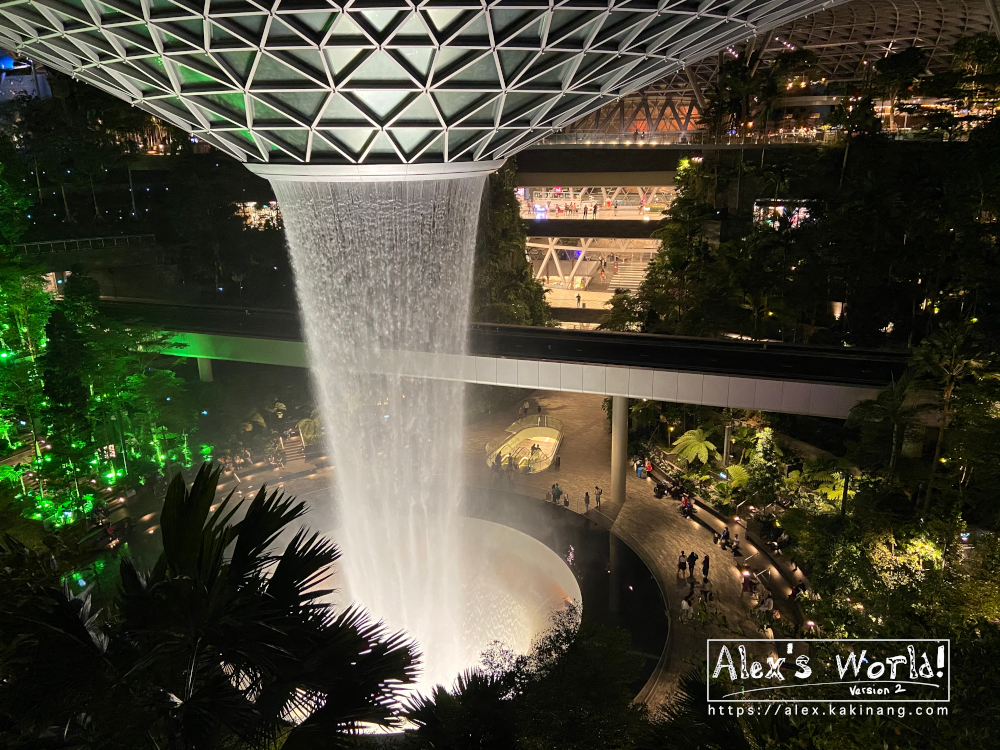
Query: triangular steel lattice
[[378, 81]]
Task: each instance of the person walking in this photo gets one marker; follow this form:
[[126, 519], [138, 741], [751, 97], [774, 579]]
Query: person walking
[[586, 502], [692, 559], [704, 568], [682, 562], [527, 407], [595, 211], [597, 496]]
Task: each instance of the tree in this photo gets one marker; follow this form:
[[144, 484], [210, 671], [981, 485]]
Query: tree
[[223, 643], [504, 289], [888, 411], [745, 90], [694, 445], [13, 204], [573, 690], [895, 73], [24, 313], [948, 357], [856, 117], [764, 469]]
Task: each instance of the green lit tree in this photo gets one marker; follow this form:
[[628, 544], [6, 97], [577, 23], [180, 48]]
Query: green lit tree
[[24, 312]]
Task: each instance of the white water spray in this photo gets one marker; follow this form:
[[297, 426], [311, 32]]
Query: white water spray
[[388, 266]]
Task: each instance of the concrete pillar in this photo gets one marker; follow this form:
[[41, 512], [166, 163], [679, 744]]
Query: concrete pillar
[[204, 370], [619, 447]]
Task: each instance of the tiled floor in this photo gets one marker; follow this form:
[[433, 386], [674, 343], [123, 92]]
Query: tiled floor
[[652, 527]]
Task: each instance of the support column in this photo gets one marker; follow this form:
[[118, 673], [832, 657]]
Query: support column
[[204, 370], [619, 447]]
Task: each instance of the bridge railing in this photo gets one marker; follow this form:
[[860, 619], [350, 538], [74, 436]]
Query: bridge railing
[[688, 138], [86, 243]]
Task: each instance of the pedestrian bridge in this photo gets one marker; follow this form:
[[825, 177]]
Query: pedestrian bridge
[[787, 378]]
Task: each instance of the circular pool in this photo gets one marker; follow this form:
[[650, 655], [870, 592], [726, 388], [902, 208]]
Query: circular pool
[[503, 590]]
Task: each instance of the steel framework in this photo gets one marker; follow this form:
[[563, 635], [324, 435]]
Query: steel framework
[[845, 38], [378, 81], [544, 252]]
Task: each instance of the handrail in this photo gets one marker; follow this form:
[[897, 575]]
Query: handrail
[[86, 243]]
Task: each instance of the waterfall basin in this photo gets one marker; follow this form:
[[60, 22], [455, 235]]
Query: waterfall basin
[[503, 592]]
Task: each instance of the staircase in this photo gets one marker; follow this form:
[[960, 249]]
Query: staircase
[[293, 449], [628, 277]]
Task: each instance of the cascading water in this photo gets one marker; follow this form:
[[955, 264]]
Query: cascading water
[[388, 267]]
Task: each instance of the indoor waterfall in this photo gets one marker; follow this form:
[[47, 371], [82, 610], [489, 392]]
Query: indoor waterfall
[[388, 266]]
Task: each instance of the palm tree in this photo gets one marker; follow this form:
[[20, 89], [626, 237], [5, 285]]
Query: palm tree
[[224, 643], [947, 357], [694, 445], [889, 409]]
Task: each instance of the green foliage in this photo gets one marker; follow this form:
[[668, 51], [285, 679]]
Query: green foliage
[[744, 92], [765, 470], [504, 289], [856, 117], [217, 646], [13, 204], [694, 446], [885, 423], [573, 690]]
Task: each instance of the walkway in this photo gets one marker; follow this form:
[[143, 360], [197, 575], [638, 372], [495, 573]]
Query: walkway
[[653, 528]]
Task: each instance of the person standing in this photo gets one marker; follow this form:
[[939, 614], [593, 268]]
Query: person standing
[[706, 590], [586, 502], [687, 608], [585, 212], [597, 496], [548, 494], [578, 301], [527, 407], [556, 493], [682, 565], [595, 211], [704, 568]]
